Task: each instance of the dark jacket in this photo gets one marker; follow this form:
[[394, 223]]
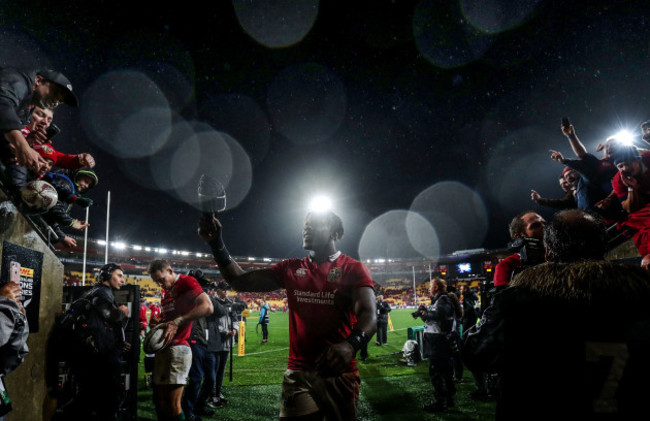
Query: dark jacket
[[59, 216], [214, 339], [565, 339], [383, 308], [226, 319], [438, 321], [16, 91], [105, 319], [567, 202], [469, 309]]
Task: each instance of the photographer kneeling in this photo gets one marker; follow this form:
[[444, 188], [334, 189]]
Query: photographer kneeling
[[438, 323]]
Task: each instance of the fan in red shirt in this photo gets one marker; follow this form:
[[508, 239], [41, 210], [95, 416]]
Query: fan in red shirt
[[36, 134], [632, 186], [331, 315]]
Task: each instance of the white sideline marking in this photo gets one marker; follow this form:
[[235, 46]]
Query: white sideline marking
[[264, 352]]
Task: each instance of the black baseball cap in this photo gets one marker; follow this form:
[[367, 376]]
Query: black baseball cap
[[223, 285], [625, 154], [69, 97]]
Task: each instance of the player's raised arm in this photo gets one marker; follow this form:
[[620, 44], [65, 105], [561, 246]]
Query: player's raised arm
[[240, 280]]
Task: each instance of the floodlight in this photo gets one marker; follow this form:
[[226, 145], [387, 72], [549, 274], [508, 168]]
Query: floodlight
[[624, 137], [320, 204], [137, 248], [119, 245]]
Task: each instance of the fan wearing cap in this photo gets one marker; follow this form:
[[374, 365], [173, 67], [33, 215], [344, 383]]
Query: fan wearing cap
[[71, 187], [632, 186], [20, 90], [332, 314], [567, 183], [183, 301]]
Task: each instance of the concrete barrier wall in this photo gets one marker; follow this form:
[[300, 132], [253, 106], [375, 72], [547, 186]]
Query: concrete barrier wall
[[26, 385], [625, 250]]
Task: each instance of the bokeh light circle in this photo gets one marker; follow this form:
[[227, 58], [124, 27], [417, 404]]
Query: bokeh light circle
[[21, 51], [456, 212], [139, 50], [242, 173], [125, 113], [398, 234], [494, 16], [276, 23], [207, 152], [519, 162], [444, 38], [307, 103], [242, 118]]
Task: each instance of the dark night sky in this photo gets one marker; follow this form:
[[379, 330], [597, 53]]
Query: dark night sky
[[427, 122]]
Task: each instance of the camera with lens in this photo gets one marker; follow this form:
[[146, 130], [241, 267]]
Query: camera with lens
[[531, 250], [201, 278], [418, 312], [238, 306]]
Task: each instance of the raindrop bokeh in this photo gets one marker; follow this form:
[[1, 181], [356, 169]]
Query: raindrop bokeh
[[276, 23], [126, 114], [306, 103], [494, 16], [456, 212], [398, 234], [444, 37]]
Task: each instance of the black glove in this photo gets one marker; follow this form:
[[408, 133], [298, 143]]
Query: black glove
[[84, 202]]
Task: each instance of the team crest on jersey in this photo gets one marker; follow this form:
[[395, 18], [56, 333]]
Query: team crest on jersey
[[300, 272], [334, 275]]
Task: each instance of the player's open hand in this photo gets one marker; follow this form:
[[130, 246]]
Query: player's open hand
[[170, 331]]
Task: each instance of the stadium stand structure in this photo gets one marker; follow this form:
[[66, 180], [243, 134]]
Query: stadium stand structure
[[395, 278]]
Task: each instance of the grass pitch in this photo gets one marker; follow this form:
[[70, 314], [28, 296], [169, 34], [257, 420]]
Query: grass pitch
[[390, 390]]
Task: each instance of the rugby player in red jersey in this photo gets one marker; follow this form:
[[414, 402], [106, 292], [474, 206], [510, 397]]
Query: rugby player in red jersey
[[331, 315], [183, 301]]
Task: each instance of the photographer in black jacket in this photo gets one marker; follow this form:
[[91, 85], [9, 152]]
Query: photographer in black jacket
[[383, 308], [96, 363], [227, 326], [438, 324]]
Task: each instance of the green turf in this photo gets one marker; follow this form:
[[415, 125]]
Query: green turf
[[390, 390]]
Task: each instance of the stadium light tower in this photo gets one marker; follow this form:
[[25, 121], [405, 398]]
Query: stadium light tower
[[320, 204]]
